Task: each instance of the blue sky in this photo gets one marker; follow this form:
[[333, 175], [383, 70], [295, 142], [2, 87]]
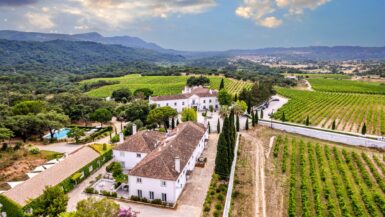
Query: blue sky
[[207, 24]]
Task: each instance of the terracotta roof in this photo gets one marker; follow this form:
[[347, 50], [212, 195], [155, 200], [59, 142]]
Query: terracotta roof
[[34, 187], [142, 141], [199, 91], [160, 163]]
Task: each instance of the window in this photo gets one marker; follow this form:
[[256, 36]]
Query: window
[[121, 153], [158, 105], [139, 155], [175, 103], [151, 195], [163, 183], [164, 197], [138, 180], [210, 100], [140, 193], [166, 104], [204, 101], [182, 103]]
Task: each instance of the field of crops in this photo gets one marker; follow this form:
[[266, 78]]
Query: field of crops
[[329, 180], [346, 86], [349, 111], [161, 85], [317, 75]]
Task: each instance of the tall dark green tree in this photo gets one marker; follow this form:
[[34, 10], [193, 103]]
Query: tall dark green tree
[[221, 160], [219, 126], [172, 123], [247, 124], [209, 127], [253, 118], [237, 123], [283, 118], [235, 98], [363, 130], [222, 84], [261, 113], [256, 118], [334, 125], [51, 203], [307, 121]]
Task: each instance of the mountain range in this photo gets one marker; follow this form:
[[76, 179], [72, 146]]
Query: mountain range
[[315, 53]]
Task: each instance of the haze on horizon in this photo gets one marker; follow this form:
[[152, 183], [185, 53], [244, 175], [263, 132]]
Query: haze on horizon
[[207, 24]]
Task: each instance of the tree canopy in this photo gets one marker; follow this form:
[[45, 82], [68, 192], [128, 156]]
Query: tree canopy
[[197, 81], [122, 95], [224, 98], [51, 203], [189, 114]]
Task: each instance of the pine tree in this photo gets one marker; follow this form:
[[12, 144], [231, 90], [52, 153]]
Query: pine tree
[[237, 123], [235, 97], [261, 113], [177, 121], [219, 126], [307, 122], [222, 84], [247, 124], [209, 127], [221, 160], [172, 123], [363, 131], [256, 118], [334, 125], [283, 118]]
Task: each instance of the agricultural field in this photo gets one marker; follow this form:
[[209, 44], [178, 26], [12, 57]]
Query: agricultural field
[[316, 178], [318, 75], [349, 111], [161, 85], [347, 86]]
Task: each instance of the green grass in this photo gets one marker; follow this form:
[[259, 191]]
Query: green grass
[[349, 110], [346, 86], [330, 180], [317, 75], [99, 148], [161, 85]]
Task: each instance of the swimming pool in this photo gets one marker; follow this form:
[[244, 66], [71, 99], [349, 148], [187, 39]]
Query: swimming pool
[[59, 134]]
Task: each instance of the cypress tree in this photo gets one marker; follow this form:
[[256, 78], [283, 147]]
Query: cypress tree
[[235, 97], [247, 124], [177, 121], [219, 126], [209, 127], [334, 125], [256, 118], [253, 118], [221, 160], [222, 85], [283, 119], [237, 123], [261, 113], [172, 123], [363, 131], [307, 122], [248, 102]]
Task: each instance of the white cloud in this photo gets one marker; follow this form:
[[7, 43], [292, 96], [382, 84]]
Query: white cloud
[[262, 11], [41, 21]]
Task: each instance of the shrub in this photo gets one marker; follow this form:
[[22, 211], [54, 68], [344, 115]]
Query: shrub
[[162, 130], [115, 139], [135, 198], [218, 206], [34, 151], [114, 194], [144, 200], [106, 193], [90, 190], [207, 208], [220, 197], [157, 201], [216, 213], [4, 147]]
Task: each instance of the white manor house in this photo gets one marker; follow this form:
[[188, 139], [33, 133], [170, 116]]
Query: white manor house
[[158, 164], [199, 97]]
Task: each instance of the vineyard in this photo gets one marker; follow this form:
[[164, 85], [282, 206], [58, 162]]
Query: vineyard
[[161, 85], [348, 111], [328, 180], [346, 86]]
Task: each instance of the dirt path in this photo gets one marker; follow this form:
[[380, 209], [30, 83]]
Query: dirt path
[[260, 203], [309, 87]]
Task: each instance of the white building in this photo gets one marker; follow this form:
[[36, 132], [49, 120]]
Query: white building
[[200, 98], [158, 164]]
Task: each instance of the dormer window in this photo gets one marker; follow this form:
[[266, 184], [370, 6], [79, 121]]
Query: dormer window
[[139, 180], [163, 183], [138, 155]]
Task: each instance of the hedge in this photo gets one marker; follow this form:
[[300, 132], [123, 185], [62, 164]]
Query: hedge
[[10, 207], [68, 184]]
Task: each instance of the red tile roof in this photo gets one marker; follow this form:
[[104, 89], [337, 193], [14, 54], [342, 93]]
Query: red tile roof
[[142, 142]]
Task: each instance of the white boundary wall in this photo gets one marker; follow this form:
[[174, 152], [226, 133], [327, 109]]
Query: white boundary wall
[[325, 135], [229, 194]]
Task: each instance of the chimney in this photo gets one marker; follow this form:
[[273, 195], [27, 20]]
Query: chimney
[[133, 129], [121, 137], [177, 164]]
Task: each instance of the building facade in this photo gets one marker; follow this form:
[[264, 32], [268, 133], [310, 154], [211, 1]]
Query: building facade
[[200, 98], [165, 162]]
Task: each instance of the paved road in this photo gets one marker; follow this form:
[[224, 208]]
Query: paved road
[[274, 106]]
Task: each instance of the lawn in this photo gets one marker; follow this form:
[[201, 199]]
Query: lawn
[[161, 85], [102, 148], [349, 111]]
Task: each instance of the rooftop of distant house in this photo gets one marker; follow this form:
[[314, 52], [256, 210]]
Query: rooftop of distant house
[[187, 93]]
